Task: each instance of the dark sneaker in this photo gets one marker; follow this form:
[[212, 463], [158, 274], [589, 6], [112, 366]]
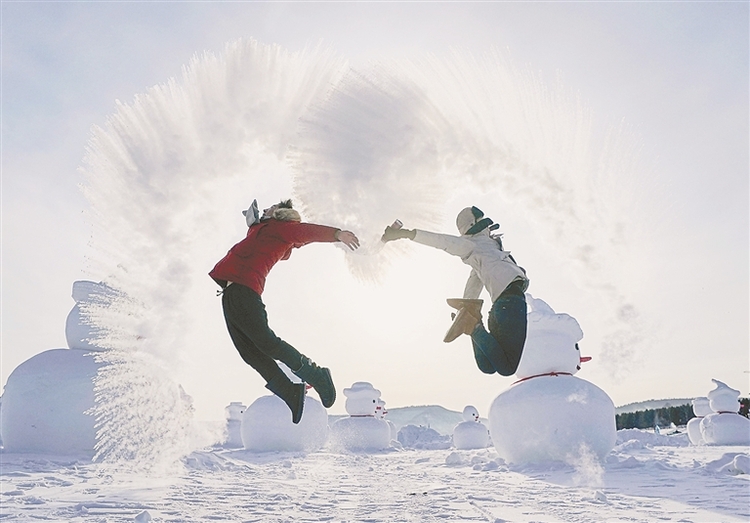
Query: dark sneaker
[[320, 379], [293, 395]]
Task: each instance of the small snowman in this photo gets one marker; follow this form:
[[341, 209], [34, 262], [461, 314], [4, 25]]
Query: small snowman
[[267, 424], [471, 433], [725, 425], [233, 415], [362, 430], [380, 413], [549, 414], [701, 409]]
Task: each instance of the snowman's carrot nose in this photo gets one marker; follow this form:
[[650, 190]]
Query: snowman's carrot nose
[[585, 359]]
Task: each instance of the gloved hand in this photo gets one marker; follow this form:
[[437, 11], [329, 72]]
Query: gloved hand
[[391, 234]]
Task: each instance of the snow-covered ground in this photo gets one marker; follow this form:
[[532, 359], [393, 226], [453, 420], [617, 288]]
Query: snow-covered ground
[[642, 480]]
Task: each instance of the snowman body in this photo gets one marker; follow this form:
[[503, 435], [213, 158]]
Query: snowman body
[[549, 414], [701, 409], [725, 426], [267, 426], [362, 430], [471, 433]]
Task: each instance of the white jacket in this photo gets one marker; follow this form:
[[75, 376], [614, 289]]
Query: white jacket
[[490, 267]]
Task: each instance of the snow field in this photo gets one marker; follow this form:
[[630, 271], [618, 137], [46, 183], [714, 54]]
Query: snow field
[[638, 483]]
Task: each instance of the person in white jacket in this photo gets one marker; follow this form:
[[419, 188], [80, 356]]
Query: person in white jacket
[[493, 268]]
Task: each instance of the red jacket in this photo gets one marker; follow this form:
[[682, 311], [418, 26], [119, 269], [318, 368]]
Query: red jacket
[[266, 243]]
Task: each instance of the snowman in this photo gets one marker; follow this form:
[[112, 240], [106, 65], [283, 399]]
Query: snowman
[[361, 430], [267, 424], [233, 415], [471, 433], [725, 425], [380, 413], [701, 409], [46, 398], [549, 414]]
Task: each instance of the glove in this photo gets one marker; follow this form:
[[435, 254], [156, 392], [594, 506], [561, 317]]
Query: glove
[[252, 214], [391, 234]]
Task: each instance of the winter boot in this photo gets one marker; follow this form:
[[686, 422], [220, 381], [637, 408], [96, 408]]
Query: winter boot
[[469, 315], [293, 395], [475, 306], [319, 378]]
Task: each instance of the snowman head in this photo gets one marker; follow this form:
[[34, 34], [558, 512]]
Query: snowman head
[[701, 407], [471, 413], [234, 411], [380, 410], [361, 399], [551, 342], [80, 332], [724, 398]]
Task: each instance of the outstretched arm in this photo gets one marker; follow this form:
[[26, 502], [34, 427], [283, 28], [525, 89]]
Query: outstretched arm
[[392, 233], [348, 238], [455, 245]]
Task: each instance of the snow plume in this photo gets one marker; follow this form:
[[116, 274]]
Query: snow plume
[[393, 140], [154, 175], [369, 154], [588, 468], [398, 138]]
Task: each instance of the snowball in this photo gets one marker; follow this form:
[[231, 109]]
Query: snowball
[[45, 403], [471, 435], [725, 429], [549, 418], [365, 433], [267, 426]]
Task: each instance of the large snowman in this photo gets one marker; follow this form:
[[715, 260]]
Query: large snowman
[[267, 424], [363, 429], [46, 399], [471, 433], [549, 414], [725, 425]]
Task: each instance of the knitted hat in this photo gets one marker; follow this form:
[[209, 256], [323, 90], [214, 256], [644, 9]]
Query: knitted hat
[[470, 221]]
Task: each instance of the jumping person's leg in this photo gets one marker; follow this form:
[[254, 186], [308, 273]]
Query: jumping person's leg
[[503, 345], [245, 310], [293, 394]]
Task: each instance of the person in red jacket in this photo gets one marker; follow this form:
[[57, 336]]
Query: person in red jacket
[[242, 276]]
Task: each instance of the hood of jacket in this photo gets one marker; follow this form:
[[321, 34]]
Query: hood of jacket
[[286, 215]]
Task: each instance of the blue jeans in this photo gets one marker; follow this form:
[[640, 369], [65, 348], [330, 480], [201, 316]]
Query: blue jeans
[[257, 344], [500, 349]]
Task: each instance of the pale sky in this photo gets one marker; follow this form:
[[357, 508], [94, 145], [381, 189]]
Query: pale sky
[[675, 73]]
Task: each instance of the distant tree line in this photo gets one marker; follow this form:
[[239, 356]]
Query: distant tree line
[[679, 415]]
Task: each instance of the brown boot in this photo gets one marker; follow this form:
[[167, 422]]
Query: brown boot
[[465, 321], [475, 306]]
